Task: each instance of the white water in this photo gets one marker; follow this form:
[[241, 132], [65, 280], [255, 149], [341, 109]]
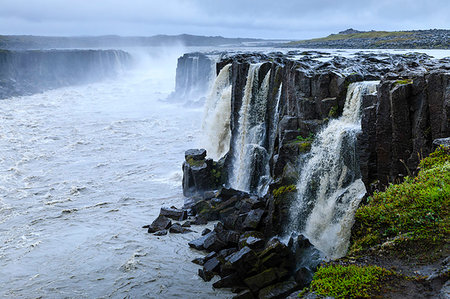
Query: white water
[[81, 170], [249, 142], [330, 188], [216, 118]]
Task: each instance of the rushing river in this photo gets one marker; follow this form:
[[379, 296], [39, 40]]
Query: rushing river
[[82, 169]]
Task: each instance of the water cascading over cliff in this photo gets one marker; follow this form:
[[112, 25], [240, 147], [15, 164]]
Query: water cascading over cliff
[[216, 119], [329, 187], [250, 169]]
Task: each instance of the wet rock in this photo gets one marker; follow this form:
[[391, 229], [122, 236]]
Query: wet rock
[[227, 193], [254, 236], [206, 276], [198, 243], [279, 290], [206, 231], [195, 154], [260, 280], [228, 281], [246, 294], [159, 223], [186, 224], [441, 141], [174, 213], [212, 242], [178, 229], [254, 243], [199, 220], [243, 260], [303, 277], [161, 233], [212, 265], [253, 219], [199, 261]]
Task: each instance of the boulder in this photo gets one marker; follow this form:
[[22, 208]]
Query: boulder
[[245, 294], [174, 213], [159, 223], [260, 280], [195, 154], [279, 290], [253, 219]]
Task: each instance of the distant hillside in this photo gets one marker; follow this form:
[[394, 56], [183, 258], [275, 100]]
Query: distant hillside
[[21, 42], [354, 39]]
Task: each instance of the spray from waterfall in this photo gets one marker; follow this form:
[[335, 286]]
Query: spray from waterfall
[[216, 118], [330, 188], [250, 167]]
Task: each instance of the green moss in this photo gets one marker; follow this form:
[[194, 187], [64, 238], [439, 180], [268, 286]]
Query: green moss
[[411, 218], [300, 138], [304, 146], [195, 163], [349, 281], [333, 111], [284, 189], [216, 175], [403, 82]]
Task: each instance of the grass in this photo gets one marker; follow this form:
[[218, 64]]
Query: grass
[[349, 281], [411, 218]]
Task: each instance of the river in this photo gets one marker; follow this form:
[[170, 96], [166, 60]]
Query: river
[[82, 169]]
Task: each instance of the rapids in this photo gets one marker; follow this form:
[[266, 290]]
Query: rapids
[[82, 169]]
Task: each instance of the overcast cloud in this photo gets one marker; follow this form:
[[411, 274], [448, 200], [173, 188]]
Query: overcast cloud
[[232, 18]]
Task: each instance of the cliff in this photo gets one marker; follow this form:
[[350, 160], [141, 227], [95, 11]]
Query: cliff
[[28, 72], [399, 123]]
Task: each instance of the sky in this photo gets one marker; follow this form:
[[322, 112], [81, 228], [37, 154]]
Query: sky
[[275, 19]]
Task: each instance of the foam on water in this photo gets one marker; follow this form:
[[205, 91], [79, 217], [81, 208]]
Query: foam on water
[[81, 170]]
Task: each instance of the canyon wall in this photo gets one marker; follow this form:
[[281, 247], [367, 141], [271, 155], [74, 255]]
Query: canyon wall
[[28, 72]]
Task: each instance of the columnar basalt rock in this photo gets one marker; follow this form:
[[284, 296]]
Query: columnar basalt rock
[[32, 71]]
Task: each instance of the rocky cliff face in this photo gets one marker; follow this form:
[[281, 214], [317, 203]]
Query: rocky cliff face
[[400, 124], [28, 72], [195, 72], [410, 109]]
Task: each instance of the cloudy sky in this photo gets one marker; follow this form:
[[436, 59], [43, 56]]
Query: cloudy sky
[[282, 19]]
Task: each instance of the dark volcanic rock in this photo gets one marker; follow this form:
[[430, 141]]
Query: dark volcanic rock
[[279, 290], [195, 154], [159, 223], [253, 219], [174, 213]]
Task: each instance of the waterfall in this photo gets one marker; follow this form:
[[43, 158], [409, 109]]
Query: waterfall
[[250, 162], [216, 118], [330, 188]]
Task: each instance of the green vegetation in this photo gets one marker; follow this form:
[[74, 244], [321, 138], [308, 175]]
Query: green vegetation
[[304, 146], [196, 163], [370, 34], [411, 218], [403, 82], [349, 281], [333, 111], [309, 138], [284, 189]]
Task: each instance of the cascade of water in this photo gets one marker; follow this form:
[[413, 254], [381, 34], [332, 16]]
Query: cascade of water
[[250, 169], [330, 188], [216, 118]]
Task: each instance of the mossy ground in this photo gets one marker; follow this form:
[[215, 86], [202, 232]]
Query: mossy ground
[[411, 218], [349, 281], [405, 228]]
